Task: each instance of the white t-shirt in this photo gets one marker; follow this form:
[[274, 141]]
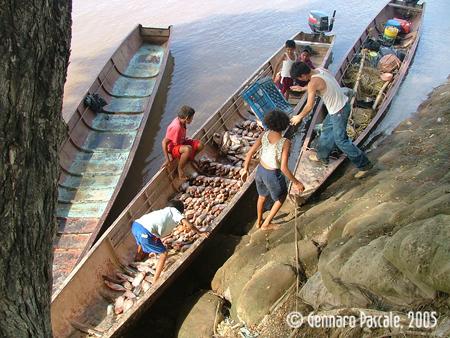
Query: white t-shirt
[[161, 222], [333, 97]]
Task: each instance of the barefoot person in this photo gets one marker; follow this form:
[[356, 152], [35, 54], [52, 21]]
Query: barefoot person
[[150, 228], [334, 127], [176, 145], [269, 179]]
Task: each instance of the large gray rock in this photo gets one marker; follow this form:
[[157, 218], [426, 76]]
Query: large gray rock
[[356, 272], [315, 293], [421, 251], [198, 317], [230, 279], [262, 291]]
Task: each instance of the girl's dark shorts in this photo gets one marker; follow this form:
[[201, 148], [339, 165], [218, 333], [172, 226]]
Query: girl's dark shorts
[[270, 182]]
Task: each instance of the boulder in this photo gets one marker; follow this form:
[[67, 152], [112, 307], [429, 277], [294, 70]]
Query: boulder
[[315, 293], [265, 287], [421, 251], [230, 279], [198, 317], [357, 273]]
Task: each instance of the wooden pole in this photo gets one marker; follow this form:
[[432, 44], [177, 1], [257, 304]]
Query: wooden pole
[[358, 78], [355, 87], [380, 95]]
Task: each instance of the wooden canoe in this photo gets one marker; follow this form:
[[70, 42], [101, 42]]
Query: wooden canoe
[[100, 147], [314, 175], [80, 305]]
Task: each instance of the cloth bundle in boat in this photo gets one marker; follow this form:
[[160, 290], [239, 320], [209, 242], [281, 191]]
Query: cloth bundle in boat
[[95, 102], [389, 63], [372, 44]]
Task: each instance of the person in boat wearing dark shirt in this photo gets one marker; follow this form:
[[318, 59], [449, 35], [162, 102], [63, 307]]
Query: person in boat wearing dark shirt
[[176, 145], [305, 57]]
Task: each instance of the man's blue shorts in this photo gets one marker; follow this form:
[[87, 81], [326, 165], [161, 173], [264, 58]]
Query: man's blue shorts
[[148, 241], [270, 182]]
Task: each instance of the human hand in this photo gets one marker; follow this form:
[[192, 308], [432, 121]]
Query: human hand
[[296, 120], [244, 174], [299, 186], [276, 78], [297, 88], [167, 162]]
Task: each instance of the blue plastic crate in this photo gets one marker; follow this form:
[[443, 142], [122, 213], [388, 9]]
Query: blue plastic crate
[[263, 96]]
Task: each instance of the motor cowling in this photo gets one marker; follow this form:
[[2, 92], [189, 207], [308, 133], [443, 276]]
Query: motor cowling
[[320, 22]]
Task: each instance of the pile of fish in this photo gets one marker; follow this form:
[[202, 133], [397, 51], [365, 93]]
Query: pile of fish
[[236, 143], [132, 281], [205, 196]]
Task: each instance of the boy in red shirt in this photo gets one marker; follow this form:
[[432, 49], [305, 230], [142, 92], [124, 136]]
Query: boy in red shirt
[[176, 145]]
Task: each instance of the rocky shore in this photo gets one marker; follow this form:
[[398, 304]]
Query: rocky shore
[[380, 245]]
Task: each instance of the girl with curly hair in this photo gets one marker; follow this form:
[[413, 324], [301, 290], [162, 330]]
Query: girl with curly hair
[[273, 163]]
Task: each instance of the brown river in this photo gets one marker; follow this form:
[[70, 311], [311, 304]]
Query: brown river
[[216, 45]]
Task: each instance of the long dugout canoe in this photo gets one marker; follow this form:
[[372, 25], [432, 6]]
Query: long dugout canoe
[[80, 306], [314, 175], [101, 143]]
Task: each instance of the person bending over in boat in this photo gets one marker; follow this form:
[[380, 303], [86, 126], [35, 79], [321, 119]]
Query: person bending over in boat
[[150, 228], [176, 145], [334, 127], [269, 179], [283, 78]]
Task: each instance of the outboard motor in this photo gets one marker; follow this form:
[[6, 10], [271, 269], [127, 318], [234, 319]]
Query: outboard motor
[[320, 23]]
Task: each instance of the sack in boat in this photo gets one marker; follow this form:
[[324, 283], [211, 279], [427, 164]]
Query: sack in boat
[[405, 26], [389, 63]]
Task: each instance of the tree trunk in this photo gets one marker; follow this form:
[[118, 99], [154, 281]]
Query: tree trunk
[[34, 53]]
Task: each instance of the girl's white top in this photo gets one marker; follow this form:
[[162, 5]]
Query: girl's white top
[[333, 97], [271, 153]]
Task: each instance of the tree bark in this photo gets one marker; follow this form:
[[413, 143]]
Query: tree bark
[[34, 54]]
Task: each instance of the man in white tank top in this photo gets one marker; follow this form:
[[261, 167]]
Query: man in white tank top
[[334, 127]]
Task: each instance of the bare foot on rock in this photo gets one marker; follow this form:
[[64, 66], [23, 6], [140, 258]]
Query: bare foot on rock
[[270, 226]]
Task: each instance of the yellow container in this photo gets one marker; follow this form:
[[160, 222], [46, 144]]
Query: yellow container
[[390, 32]]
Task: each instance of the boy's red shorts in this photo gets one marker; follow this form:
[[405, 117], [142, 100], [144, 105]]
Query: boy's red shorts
[[175, 150], [286, 83]]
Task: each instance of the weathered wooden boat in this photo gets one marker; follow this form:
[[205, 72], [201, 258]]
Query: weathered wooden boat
[[79, 308], [314, 175], [101, 143]]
